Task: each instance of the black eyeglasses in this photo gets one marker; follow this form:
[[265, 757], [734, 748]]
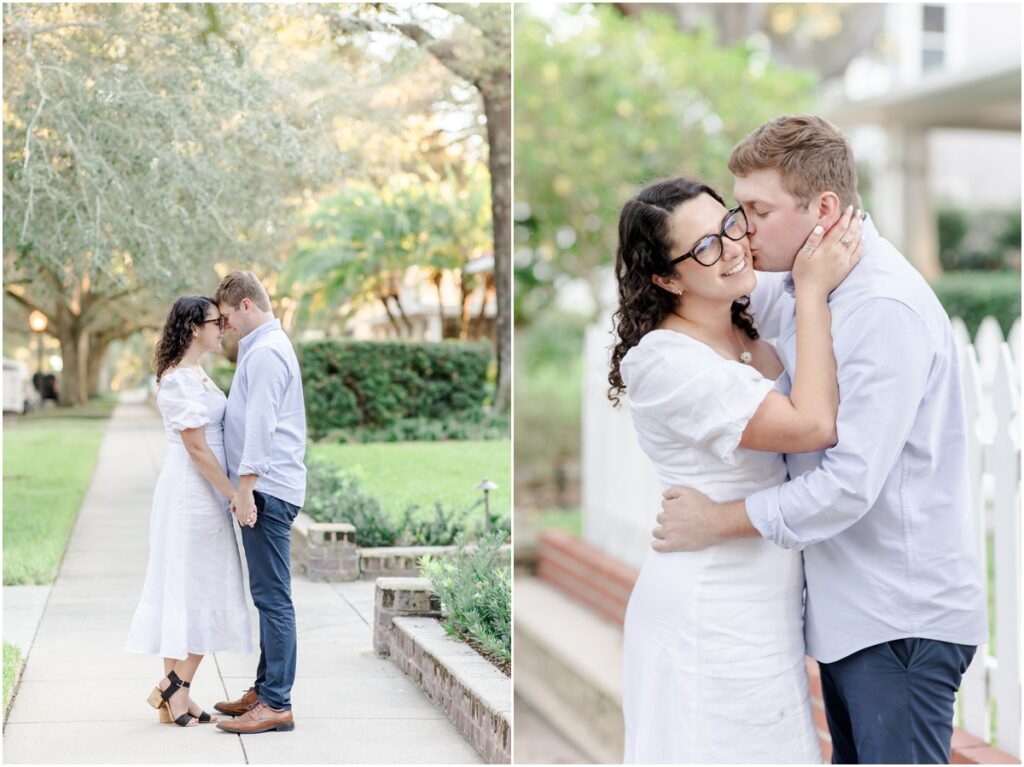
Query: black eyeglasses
[[218, 320], [709, 249]]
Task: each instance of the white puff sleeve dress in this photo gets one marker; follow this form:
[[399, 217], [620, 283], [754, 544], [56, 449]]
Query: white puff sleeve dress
[[713, 640], [193, 600]]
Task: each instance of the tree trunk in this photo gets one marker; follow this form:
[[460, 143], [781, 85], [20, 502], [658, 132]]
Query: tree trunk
[[436, 277], [387, 308], [409, 330], [97, 352], [465, 289], [496, 93], [73, 344], [478, 324], [395, 289]]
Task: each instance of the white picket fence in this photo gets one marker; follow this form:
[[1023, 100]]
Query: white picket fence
[[621, 496]]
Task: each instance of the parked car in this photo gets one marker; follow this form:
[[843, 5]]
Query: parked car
[[18, 393]]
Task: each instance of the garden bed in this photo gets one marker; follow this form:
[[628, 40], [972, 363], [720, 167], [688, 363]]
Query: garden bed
[[327, 551], [476, 696]]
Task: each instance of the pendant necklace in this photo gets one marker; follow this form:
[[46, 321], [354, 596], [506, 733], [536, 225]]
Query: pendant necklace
[[745, 356]]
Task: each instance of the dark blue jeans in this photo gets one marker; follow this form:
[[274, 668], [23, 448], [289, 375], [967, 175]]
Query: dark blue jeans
[[268, 555], [892, 703]]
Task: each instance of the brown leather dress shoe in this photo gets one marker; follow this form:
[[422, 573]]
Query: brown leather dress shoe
[[238, 707], [260, 718]]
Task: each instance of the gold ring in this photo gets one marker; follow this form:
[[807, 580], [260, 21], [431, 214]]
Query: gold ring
[[844, 241]]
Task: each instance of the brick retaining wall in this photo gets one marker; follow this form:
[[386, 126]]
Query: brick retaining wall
[[474, 694]]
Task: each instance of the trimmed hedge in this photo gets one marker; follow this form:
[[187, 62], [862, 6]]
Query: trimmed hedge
[[974, 295], [371, 384]]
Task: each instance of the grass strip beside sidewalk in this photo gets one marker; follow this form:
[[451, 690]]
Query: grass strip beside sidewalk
[[48, 461], [12, 669]]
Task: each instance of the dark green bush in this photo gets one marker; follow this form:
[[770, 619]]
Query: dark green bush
[[371, 384], [974, 295], [979, 240], [333, 495], [471, 425]]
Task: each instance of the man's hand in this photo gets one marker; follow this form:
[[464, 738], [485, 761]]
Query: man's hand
[[686, 521], [243, 506], [690, 521]]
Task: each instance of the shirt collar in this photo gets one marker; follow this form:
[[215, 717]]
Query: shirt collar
[[870, 233], [266, 327]]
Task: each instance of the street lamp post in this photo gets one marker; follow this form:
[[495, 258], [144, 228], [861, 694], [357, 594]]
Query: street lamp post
[[38, 322]]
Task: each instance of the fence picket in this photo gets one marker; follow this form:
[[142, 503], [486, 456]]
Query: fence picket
[[973, 695], [1003, 463]]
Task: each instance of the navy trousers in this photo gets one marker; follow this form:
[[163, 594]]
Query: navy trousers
[[892, 703], [268, 556]]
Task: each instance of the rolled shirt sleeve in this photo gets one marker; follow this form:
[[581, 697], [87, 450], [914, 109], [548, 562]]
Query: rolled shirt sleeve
[[268, 380], [884, 356]]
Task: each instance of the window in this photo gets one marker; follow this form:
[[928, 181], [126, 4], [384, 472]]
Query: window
[[933, 37]]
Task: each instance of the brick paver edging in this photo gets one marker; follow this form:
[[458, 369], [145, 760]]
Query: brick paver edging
[[474, 694], [603, 583]]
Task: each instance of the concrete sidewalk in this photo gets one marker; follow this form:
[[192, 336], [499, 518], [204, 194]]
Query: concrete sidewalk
[[82, 698]]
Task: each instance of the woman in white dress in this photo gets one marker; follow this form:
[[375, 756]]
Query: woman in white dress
[[713, 640], [193, 602]]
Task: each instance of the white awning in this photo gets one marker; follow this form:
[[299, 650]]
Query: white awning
[[987, 99]]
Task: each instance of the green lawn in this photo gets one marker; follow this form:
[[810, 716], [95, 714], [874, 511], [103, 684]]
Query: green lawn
[[48, 461], [402, 473], [12, 664], [570, 520]]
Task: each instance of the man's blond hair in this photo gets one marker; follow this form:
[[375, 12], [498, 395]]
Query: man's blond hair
[[239, 285], [811, 154]]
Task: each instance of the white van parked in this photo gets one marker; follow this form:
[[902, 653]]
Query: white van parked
[[19, 394]]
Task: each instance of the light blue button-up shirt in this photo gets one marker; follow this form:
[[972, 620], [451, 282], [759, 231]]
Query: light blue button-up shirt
[[265, 420], [884, 517]]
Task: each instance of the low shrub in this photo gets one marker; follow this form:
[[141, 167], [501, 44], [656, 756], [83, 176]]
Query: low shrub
[[475, 588], [472, 425], [974, 295], [371, 384], [334, 495], [987, 240]]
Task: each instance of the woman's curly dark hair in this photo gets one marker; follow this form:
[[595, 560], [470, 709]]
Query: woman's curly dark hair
[[176, 337], [644, 250]]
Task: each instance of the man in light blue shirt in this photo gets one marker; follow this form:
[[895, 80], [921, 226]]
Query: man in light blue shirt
[[895, 598], [265, 444]]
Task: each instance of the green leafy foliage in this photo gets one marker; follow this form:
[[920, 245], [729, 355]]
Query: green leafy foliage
[[606, 103], [979, 240], [335, 495], [471, 425], [972, 296], [332, 495], [372, 384], [361, 241], [475, 587]]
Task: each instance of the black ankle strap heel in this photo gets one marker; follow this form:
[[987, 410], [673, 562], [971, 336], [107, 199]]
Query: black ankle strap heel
[[159, 698]]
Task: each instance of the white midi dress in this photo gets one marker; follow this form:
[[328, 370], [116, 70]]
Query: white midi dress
[[713, 640], [193, 600]]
